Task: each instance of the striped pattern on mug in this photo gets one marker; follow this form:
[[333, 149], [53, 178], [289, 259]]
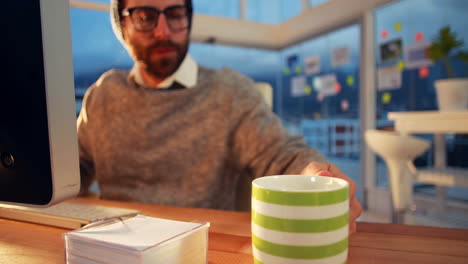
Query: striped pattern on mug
[[300, 227]]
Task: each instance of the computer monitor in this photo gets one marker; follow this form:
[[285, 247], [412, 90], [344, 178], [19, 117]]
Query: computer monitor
[[39, 163]]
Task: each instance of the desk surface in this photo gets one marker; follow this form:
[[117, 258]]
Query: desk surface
[[430, 121], [229, 239]]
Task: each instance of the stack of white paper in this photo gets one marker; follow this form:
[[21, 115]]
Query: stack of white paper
[[140, 239]]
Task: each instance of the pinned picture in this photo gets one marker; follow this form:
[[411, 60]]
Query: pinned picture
[[417, 55], [340, 56], [312, 65], [326, 85], [391, 50], [298, 85], [389, 78]]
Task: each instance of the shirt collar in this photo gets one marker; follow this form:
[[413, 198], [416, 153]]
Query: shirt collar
[[185, 75]]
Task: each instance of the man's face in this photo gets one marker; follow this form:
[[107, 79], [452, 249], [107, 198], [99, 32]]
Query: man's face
[[160, 51]]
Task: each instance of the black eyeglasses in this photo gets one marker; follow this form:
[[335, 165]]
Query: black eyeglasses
[[145, 18]]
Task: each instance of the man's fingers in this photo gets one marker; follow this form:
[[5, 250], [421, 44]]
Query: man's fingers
[[315, 167], [326, 169], [352, 185], [356, 209], [354, 213]]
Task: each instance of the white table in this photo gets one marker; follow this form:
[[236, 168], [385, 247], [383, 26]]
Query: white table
[[433, 122]]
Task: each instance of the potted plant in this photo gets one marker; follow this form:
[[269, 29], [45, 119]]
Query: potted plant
[[452, 92]]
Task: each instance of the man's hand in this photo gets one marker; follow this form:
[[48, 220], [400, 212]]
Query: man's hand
[[326, 169]]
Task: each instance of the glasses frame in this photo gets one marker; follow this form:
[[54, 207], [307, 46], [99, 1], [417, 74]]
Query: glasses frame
[[128, 12]]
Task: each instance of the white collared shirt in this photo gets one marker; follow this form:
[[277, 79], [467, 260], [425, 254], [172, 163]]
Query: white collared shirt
[[186, 75]]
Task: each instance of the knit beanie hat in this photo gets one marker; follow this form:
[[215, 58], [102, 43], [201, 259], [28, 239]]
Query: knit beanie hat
[[116, 7]]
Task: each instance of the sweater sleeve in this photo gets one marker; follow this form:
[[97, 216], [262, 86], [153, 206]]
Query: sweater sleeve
[[263, 145], [86, 160]]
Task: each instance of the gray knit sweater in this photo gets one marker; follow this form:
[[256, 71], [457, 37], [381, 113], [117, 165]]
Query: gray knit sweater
[[185, 147]]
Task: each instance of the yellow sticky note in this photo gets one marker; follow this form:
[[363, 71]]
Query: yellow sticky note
[[401, 65], [386, 98], [298, 69], [350, 80], [308, 90], [398, 26]]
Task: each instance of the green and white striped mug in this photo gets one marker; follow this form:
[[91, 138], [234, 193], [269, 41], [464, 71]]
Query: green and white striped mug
[[300, 219]]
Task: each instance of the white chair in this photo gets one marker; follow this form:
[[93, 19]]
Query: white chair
[[444, 177], [267, 92], [398, 152]]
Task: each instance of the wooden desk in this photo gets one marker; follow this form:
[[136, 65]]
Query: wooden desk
[[229, 239], [437, 123]]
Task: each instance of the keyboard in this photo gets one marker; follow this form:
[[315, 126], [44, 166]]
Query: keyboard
[[65, 214]]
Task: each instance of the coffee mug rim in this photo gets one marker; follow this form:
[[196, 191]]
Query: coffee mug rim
[[341, 184]]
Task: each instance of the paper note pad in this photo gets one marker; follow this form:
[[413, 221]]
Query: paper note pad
[[140, 239]]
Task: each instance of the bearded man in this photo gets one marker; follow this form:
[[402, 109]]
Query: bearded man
[[172, 132]]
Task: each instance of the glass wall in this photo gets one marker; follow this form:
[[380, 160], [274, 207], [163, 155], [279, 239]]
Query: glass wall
[[406, 75], [262, 66], [320, 95], [316, 82], [408, 27], [272, 11], [95, 49], [224, 8], [314, 3]]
